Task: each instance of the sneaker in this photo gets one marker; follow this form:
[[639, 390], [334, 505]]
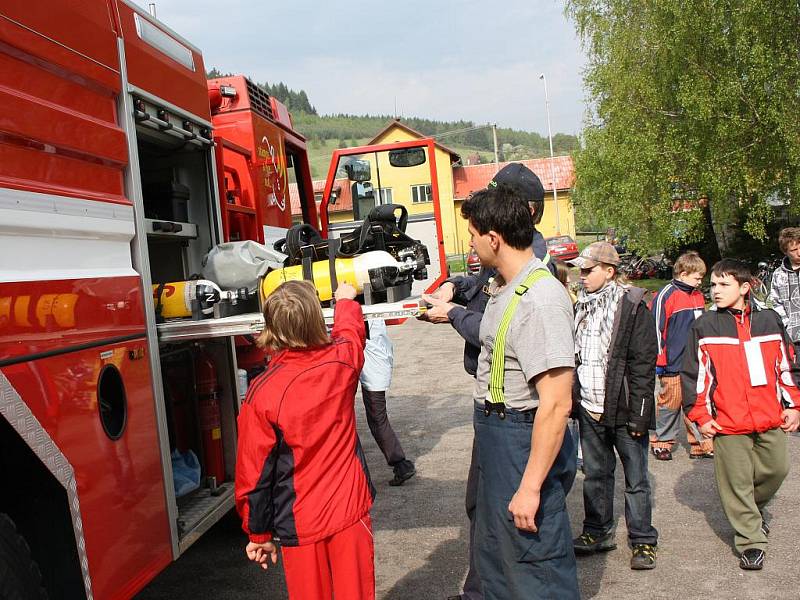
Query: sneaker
[[588, 543], [764, 527], [752, 559], [703, 455], [662, 453], [403, 471], [644, 557]]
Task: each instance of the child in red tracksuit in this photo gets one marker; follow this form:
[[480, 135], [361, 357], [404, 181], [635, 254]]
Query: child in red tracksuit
[[739, 386], [301, 476]]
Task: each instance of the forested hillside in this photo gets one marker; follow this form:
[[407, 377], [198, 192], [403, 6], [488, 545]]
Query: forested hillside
[[471, 140]]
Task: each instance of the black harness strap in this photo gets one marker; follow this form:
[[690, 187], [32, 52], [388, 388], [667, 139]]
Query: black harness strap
[[333, 249]]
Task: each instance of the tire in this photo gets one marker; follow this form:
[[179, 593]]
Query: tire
[[18, 572]]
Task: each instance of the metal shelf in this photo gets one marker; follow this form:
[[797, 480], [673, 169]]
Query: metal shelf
[[180, 330]]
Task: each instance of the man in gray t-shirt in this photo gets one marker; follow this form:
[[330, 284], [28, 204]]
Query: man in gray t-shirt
[[526, 462], [539, 337]]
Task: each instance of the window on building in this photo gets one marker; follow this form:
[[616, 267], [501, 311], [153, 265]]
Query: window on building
[[385, 195], [420, 193]]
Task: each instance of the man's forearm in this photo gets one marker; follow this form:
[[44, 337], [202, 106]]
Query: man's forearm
[[546, 439]]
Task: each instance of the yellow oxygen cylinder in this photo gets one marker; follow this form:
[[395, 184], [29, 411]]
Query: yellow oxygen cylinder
[[354, 271], [176, 297]]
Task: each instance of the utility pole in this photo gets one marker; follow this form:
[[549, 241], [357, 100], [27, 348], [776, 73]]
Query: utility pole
[[496, 159], [552, 158]]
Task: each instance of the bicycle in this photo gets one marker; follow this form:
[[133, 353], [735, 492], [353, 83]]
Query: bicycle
[[762, 281]]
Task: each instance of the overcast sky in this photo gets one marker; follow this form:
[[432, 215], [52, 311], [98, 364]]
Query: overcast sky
[[440, 59]]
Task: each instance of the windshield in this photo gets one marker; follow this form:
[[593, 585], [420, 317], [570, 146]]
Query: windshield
[[364, 181], [399, 176]]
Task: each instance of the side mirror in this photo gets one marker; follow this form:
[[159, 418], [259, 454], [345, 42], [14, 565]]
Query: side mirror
[[358, 170]]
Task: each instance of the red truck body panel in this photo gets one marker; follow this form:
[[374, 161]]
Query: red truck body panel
[[58, 130], [152, 71]]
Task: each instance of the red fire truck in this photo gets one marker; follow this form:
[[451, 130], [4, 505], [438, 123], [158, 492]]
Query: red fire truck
[[117, 175]]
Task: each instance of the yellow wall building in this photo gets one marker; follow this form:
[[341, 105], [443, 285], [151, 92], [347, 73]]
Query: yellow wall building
[[403, 180]]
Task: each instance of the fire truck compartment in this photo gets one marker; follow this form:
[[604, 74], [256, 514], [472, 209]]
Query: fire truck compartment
[[198, 374], [177, 206], [201, 405]]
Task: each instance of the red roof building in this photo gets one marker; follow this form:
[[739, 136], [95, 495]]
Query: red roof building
[[341, 187], [469, 179]]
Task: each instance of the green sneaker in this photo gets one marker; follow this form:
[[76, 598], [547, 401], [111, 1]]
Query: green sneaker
[[588, 543], [644, 557]]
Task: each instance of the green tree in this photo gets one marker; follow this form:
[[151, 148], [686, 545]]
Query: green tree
[[215, 73], [689, 99]]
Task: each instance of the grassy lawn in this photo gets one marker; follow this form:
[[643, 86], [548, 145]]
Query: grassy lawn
[[457, 263], [585, 240], [319, 156], [651, 284]]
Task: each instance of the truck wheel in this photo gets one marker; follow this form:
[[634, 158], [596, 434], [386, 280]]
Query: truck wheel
[[18, 572]]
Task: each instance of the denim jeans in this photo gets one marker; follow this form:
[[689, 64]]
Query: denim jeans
[[599, 462], [515, 564]]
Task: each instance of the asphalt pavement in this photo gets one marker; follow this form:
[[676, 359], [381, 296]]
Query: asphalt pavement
[[421, 529]]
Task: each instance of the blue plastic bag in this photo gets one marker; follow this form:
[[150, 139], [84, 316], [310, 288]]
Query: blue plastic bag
[[185, 472]]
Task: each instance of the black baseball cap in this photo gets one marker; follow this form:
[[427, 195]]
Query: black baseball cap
[[522, 179]]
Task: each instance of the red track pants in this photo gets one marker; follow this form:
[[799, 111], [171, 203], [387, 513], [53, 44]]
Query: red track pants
[[341, 566]]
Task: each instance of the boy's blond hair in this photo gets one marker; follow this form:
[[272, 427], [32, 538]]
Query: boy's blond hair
[[788, 235], [689, 262], [293, 318]]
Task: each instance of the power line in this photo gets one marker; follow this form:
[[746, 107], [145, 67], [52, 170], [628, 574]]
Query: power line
[[456, 131]]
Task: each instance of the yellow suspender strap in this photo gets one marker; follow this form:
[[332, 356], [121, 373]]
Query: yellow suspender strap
[[497, 374]]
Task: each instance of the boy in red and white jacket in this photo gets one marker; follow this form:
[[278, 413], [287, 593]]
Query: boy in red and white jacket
[[300, 473], [738, 380]]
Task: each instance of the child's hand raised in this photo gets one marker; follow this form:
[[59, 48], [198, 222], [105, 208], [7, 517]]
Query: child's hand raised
[[258, 553], [345, 291]]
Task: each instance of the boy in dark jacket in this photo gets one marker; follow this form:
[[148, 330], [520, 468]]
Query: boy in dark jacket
[[300, 472], [785, 286], [675, 308], [616, 349], [738, 387]]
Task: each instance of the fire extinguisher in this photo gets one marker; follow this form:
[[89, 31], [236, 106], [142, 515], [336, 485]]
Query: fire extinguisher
[[208, 409]]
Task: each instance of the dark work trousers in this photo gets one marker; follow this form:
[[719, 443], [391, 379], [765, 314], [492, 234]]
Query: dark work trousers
[[378, 422], [599, 462], [472, 584], [515, 564]]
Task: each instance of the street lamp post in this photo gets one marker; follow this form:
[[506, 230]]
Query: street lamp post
[[552, 158]]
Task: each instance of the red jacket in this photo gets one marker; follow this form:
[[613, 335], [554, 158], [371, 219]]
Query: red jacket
[[300, 470], [675, 308], [716, 380]]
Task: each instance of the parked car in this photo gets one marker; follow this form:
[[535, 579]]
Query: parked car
[[473, 262], [562, 247]]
